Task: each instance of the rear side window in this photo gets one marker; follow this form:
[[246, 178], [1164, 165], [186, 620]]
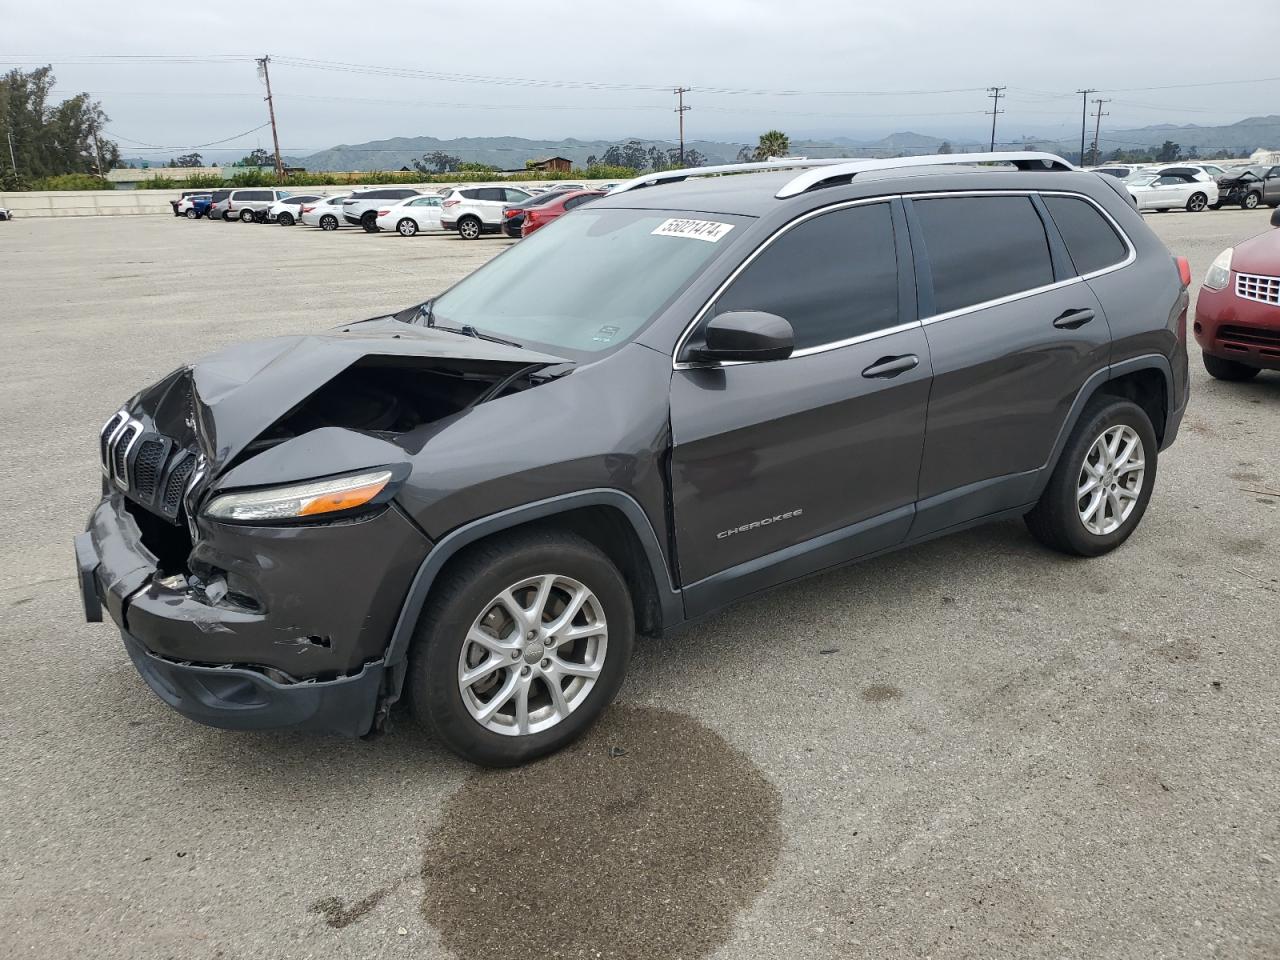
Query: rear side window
[[577, 201], [1092, 242], [983, 248], [471, 194], [492, 193], [832, 278]]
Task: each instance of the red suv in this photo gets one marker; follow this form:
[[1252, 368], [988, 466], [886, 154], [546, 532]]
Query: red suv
[[1238, 311], [544, 213]]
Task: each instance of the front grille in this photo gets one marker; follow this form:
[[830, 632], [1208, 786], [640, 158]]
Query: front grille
[[1250, 286], [1253, 336], [152, 470]]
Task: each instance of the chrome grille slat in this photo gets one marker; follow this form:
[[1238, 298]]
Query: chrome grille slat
[[1262, 289]]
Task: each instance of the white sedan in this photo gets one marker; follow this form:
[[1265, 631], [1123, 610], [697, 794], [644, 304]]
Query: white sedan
[[325, 213], [1170, 191], [410, 215]]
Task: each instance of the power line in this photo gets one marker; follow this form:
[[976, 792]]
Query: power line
[[192, 146]]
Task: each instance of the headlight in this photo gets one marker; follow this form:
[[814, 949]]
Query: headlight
[[1219, 274], [300, 500]]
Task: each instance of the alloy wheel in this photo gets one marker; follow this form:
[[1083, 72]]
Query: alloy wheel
[[533, 655], [1197, 203], [1110, 481], [469, 229], [407, 227]]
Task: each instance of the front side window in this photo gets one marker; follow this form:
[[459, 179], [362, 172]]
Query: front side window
[[832, 277], [983, 248], [1091, 240], [585, 283]]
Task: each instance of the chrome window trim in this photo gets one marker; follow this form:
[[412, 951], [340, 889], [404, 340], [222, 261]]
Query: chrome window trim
[[1130, 258], [683, 339]]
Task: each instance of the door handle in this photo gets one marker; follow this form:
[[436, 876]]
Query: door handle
[[1073, 318], [887, 367]]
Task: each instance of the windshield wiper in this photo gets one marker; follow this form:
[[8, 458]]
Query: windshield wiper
[[467, 330]]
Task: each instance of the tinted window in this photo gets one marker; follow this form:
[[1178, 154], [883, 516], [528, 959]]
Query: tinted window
[[515, 196], [402, 194], [1092, 242], [1180, 172], [983, 248], [492, 193], [473, 194], [832, 277], [219, 195], [577, 201]]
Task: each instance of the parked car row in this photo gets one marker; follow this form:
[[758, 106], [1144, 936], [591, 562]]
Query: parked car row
[[1198, 186], [471, 212]]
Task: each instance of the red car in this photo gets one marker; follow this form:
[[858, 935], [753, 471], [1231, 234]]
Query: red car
[[541, 215], [1238, 311]]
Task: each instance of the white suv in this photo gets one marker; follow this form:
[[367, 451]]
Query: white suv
[[251, 204], [473, 211], [361, 207], [287, 211]]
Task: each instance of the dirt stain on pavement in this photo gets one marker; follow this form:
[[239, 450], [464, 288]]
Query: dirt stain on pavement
[[643, 840], [881, 693], [1181, 650], [338, 914], [1246, 546]]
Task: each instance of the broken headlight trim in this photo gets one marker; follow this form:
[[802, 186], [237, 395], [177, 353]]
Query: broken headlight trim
[[301, 501]]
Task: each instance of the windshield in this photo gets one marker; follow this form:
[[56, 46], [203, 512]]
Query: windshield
[[587, 282], [1145, 181]]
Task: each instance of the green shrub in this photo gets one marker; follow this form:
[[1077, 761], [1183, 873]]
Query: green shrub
[[72, 181], [202, 181]]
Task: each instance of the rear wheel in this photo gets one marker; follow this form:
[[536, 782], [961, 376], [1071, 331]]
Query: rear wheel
[[1250, 201], [285, 219], [226, 216], [369, 220], [1197, 202], [193, 213], [1102, 484], [1221, 368], [328, 222], [469, 228], [524, 642], [407, 227], [246, 216]]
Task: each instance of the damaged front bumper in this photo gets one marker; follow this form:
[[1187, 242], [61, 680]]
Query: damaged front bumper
[[298, 640]]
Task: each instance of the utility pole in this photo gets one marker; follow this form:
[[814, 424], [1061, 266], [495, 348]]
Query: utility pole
[[12, 162], [995, 94], [1097, 129], [97, 150], [271, 109], [1084, 118], [681, 109]]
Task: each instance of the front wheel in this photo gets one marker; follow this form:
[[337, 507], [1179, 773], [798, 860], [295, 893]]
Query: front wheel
[[369, 220], [524, 642], [285, 219], [469, 228], [1197, 202], [1102, 484], [246, 216], [1250, 201], [1220, 368], [407, 227]]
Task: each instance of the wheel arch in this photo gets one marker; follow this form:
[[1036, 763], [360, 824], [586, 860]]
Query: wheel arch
[[1146, 380], [610, 519]]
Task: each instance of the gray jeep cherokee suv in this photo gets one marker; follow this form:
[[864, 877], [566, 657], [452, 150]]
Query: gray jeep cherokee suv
[[694, 389]]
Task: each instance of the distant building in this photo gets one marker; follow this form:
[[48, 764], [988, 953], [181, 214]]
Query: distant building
[[1263, 157], [552, 164]]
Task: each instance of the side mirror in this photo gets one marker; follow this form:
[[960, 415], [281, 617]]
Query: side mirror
[[1275, 217], [744, 335]]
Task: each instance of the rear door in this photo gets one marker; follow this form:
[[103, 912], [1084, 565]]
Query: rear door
[[1014, 333], [781, 468]]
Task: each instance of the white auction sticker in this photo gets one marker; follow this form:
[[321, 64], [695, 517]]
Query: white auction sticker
[[707, 230]]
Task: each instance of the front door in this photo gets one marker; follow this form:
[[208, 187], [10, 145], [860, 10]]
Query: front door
[[781, 468]]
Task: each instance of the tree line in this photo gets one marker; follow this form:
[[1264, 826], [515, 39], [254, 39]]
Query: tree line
[[42, 140]]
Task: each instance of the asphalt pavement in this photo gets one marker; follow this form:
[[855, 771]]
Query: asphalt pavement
[[974, 748]]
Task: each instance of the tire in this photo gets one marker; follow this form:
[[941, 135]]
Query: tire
[[1059, 521], [1216, 206], [470, 228], [1250, 201], [1197, 202], [192, 213], [407, 227], [328, 222], [285, 219], [246, 216], [1220, 368], [466, 598], [1162, 209], [226, 216], [369, 220]]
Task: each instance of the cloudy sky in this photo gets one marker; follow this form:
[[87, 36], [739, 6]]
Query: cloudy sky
[[579, 69]]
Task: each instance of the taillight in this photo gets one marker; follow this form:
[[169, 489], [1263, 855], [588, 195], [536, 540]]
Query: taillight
[[530, 216], [1184, 270], [383, 213], [450, 203], [508, 213], [307, 209]]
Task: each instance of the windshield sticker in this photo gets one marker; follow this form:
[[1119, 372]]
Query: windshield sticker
[[707, 230], [605, 335]]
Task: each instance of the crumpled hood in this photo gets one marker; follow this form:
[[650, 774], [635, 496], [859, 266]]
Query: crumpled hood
[[225, 400]]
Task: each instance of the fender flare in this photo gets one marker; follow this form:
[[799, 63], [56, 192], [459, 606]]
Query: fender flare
[[455, 540], [1151, 361]]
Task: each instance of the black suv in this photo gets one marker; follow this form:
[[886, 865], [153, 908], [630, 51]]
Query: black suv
[[691, 390]]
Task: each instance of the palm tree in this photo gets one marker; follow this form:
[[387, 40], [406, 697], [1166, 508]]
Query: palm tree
[[775, 143]]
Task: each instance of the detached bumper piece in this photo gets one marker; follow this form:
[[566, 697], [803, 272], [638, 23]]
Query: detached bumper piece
[[235, 698]]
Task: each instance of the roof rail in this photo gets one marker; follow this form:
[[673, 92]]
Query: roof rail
[[674, 176], [1023, 160]]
